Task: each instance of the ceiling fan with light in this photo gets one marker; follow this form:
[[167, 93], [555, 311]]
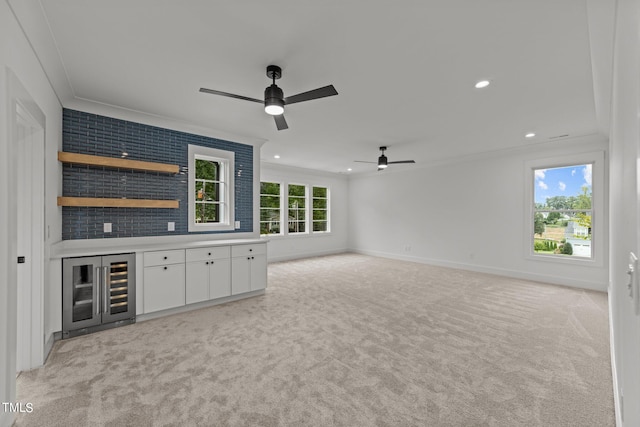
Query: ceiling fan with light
[[383, 162], [274, 99]]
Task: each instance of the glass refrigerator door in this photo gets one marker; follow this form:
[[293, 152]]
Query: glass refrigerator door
[[80, 286], [119, 288]]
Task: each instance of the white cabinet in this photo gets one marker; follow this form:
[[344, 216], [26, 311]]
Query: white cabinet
[[208, 273], [248, 268], [177, 277], [164, 280]]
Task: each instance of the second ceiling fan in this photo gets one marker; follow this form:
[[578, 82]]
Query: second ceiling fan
[[274, 99], [383, 162]]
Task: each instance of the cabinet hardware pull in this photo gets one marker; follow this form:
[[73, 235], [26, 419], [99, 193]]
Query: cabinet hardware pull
[[250, 250], [207, 263], [251, 257], [97, 288], [165, 257], [106, 285], [209, 253], [165, 268]]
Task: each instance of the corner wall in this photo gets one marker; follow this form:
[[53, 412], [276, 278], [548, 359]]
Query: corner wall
[[464, 213], [282, 248]]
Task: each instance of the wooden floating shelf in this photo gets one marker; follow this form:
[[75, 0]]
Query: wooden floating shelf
[[117, 203], [87, 159]]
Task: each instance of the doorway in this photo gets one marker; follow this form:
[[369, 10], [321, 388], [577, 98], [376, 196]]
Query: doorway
[[28, 142]]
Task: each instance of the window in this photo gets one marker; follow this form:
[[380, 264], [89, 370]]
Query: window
[[294, 209], [562, 212], [210, 189], [296, 202], [320, 209], [565, 219], [269, 208]]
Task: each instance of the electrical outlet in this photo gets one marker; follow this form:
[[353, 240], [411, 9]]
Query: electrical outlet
[[237, 224], [107, 227], [171, 226]]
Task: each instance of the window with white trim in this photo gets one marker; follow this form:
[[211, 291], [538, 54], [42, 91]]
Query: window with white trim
[[270, 208], [320, 204], [562, 210], [297, 208], [294, 209], [211, 188], [565, 219]]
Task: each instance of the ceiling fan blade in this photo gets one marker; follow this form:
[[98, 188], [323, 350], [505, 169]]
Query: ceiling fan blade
[[362, 161], [281, 123], [401, 161], [312, 94], [230, 95]]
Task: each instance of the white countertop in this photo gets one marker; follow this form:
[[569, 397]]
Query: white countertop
[[91, 247]]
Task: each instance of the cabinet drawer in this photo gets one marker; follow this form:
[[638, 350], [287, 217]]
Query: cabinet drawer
[[246, 250], [163, 257], [203, 254]]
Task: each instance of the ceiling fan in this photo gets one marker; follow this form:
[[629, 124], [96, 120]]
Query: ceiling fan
[[383, 162], [274, 100]]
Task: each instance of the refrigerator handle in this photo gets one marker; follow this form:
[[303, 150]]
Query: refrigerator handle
[[97, 288], [106, 286]]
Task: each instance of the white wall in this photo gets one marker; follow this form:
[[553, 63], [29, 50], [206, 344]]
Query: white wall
[[467, 213], [624, 212], [17, 57], [300, 246]]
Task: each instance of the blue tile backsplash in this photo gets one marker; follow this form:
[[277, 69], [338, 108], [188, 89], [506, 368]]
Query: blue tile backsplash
[[87, 133]]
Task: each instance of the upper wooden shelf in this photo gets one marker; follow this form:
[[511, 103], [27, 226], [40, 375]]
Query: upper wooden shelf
[[117, 203], [86, 159]]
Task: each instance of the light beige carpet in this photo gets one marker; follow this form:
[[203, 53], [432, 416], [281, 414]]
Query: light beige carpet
[[345, 340]]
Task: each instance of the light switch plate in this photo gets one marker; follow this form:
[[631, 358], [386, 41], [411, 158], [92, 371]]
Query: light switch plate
[[107, 227], [237, 224], [171, 226]]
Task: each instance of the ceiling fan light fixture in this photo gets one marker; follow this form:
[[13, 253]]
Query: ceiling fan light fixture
[[382, 162], [273, 100]]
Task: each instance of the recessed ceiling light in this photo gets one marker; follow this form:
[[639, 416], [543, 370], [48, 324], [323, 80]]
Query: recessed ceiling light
[[530, 135], [349, 170], [482, 83], [277, 156]]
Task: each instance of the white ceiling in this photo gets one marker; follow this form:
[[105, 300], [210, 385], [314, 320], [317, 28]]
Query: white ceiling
[[405, 71]]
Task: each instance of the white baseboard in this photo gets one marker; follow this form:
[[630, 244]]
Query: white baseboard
[[6, 418], [197, 305], [48, 345], [574, 283], [617, 401], [300, 255]]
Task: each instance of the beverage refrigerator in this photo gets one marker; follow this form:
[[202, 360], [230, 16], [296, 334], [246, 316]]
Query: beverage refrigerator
[[97, 293]]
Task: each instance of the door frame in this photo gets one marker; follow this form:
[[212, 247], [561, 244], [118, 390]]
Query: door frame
[[23, 107]]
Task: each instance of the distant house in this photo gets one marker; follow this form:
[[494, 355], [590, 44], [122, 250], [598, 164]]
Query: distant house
[[576, 230]]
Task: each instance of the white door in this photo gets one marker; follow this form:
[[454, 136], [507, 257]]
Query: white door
[[29, 144]]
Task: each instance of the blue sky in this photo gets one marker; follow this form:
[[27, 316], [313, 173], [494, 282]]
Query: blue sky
[[564, 181]]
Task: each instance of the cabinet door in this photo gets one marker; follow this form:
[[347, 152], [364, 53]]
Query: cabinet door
[[197, 284], [163, 287], [258, 272], [219, 278], [240, 275]]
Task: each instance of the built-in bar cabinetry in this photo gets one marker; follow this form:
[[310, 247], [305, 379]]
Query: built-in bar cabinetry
[[248, 268], [208, 273], [179, 277], [164, 280]]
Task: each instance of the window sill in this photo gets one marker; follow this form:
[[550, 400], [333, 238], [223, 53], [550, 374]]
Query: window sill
[[575, 261], [296, 235]]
